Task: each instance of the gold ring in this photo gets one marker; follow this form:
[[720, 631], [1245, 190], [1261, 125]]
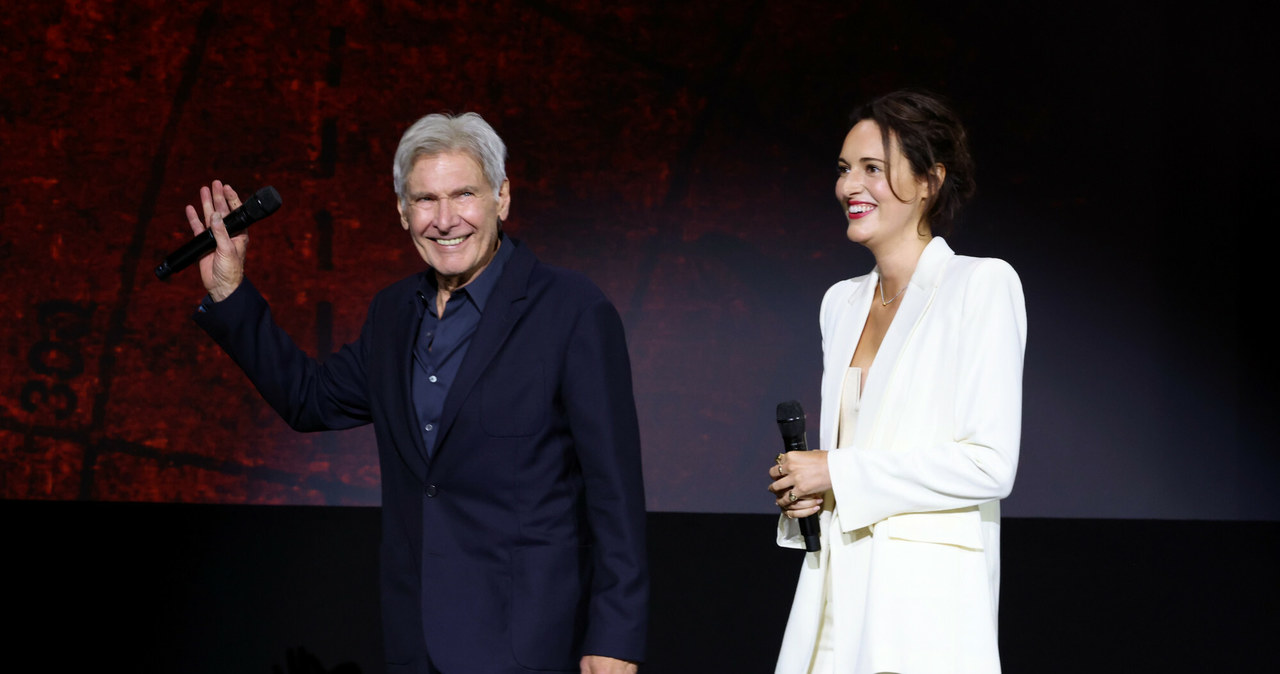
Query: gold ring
[[778, 459], [792, 495]]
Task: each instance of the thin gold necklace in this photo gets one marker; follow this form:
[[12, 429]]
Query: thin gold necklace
[[883, 301]]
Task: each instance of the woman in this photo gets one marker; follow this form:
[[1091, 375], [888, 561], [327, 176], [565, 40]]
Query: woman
[[922, 405]]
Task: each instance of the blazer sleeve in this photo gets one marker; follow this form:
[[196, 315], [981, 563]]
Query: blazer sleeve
[[601, 410], [977, 460], [308, 395]]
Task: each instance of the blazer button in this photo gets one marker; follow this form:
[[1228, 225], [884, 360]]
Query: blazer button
[[432, 491]]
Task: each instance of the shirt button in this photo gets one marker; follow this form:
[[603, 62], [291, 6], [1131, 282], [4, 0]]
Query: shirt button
[[432, 491], [430, 426], [432, 379]]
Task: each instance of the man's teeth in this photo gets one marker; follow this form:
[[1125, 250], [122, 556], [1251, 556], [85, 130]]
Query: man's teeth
[[860, 208], [450, 242]]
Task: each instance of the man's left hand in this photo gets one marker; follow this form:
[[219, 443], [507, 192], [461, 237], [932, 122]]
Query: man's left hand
[[599, 664]]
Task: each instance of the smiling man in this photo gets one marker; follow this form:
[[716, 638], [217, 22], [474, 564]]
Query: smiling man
[[500, 392]]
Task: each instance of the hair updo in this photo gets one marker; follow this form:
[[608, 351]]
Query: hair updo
[[928, 134]]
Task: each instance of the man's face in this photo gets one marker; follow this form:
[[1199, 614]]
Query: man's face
[[452, 215]]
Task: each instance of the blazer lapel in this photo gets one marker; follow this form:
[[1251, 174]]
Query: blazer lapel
[[850, 321], [502, 311], [915, 304], [406, 328]]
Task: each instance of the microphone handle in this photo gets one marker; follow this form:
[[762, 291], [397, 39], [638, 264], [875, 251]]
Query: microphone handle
[[201, 245], [810, 527]]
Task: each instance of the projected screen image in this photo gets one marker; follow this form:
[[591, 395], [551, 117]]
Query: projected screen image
[[682, 157]]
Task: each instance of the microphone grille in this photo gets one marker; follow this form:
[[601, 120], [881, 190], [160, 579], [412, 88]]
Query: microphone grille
[[264, 202], [791, 415]]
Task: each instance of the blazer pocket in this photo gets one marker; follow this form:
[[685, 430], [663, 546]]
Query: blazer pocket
[[549, 605], [961, 528], [513, 401]]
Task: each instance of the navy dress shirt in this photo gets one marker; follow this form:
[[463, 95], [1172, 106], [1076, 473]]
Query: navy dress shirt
[[442, 341]]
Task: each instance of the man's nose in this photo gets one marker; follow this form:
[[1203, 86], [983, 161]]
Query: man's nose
[[446, 214]]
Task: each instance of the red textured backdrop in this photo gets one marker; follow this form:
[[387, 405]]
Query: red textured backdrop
[[638, 154]]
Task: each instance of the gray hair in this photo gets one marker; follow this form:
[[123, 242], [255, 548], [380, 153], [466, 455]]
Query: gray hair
[[441, 133]]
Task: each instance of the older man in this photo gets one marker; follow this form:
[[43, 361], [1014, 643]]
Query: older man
[[500, 392]]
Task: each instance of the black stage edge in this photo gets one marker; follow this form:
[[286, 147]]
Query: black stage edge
[[214, 588]]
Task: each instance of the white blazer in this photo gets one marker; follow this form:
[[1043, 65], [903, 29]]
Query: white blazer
[[935, 448]]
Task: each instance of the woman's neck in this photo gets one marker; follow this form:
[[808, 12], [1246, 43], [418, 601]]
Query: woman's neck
[[897, 262]]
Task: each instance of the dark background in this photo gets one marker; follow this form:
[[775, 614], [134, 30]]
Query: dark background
[[682, 155], [214, 589]]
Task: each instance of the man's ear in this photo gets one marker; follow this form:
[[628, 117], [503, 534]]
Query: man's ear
[[504, 199]]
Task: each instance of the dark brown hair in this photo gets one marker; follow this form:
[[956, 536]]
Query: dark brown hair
[[928, 134]]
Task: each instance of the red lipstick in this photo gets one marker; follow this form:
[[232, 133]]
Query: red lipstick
[[860, 213]]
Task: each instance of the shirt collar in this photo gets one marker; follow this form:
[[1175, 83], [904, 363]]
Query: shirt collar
[[481, 287]]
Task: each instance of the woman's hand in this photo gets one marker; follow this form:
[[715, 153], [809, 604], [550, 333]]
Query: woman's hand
[[799, 479], [223, 269]]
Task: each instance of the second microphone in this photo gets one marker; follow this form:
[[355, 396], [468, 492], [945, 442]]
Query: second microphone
[[791, 425]]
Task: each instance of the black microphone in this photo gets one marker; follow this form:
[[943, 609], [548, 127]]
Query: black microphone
[[264, 202], [791, 425]]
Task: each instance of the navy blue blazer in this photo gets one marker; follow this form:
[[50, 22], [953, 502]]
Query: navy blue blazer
[[520, 545]]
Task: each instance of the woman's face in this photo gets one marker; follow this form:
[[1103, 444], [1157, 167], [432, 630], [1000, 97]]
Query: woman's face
[[874, 215]]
